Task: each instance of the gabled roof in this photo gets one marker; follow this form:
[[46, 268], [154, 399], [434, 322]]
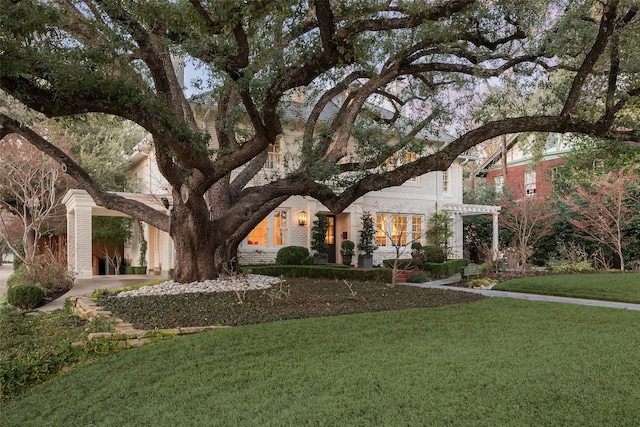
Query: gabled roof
[[496, 156]]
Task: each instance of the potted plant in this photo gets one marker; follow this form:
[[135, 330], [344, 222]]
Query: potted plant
[[319, 239], [367, 242], [347, 247]]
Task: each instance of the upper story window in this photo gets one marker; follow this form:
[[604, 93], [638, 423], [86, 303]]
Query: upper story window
[[530, 183], [446, 187], [498, 182], [408, 158], [274, 156]]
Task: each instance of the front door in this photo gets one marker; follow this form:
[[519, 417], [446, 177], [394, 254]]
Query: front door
[[331, 238]]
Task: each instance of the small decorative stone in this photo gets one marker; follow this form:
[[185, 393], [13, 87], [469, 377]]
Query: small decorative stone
[[223, 284]]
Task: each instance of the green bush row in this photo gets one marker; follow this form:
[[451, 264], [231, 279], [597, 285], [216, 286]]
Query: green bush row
[[444, 269], [321, 272]]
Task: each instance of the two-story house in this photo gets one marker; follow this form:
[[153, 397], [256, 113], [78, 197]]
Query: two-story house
[[399, 211]]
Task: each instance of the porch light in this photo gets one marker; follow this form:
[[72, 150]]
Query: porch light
[[302, 218]]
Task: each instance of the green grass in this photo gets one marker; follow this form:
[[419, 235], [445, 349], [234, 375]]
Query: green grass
[[493, 362], [35, 346], [623, 287]]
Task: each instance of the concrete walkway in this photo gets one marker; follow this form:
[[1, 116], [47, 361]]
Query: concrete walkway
[[85, 287], [5, 271], [445, 284], [82, 287]]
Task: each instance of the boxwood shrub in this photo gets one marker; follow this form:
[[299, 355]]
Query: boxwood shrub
[[444, 269], [322, 272], [293, 255], [433, 254], [25, 296]]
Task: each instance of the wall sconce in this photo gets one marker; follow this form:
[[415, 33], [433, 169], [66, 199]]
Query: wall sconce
[[302, 218]]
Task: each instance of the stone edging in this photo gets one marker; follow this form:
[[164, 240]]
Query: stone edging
[[125, 333]]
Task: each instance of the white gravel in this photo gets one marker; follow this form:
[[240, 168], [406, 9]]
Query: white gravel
[[222, 284]]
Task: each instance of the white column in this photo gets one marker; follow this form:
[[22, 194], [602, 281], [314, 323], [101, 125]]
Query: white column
[[456, 242], [71, 241], [166, 245], [82, 243], [495, 235]]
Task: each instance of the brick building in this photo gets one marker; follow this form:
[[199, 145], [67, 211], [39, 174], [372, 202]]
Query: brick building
[[517, 171]]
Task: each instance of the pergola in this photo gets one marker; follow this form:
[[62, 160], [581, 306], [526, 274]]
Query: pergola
[[461, 210]]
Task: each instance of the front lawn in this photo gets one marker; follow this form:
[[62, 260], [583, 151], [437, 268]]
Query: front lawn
[[623, 287], [493, 362]]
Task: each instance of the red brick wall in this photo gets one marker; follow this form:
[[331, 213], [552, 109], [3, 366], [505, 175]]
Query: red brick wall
[[515, 177]]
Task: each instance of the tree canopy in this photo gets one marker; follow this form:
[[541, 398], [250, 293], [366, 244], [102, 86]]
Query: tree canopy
[[401, 71]]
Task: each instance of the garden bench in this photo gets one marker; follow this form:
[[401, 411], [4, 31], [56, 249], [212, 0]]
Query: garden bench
[[471, 270]]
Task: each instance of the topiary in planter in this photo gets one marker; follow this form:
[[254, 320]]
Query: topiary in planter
[[293, 255], [25, 296]]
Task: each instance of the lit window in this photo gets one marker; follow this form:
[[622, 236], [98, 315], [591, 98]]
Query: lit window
[[399, 230], [258, 236], [391, 162], [416, 229], [408, 158], [280, 228], [331, 230], [530, 183], [381, 231]]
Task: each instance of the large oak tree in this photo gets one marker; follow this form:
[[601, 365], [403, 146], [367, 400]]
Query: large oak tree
[[65, 58]]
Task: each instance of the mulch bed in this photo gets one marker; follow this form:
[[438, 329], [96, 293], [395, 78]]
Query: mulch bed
[[296, 299]]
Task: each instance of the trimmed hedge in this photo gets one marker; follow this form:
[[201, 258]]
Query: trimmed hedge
[[403, 264], [444, 269], [322, 272]]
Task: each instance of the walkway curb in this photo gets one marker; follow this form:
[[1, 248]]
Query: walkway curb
[[529, 297]]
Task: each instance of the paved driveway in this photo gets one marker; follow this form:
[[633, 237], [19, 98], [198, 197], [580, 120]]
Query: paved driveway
[[5, 271]]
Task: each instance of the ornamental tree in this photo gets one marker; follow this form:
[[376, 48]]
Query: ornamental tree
[[396, 71], [605, 209]]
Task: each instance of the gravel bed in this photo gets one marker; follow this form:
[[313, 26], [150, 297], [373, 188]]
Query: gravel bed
[[222, 284]]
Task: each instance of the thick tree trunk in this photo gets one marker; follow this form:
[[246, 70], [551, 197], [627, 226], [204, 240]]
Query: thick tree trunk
[[203, 250], [194, 241]]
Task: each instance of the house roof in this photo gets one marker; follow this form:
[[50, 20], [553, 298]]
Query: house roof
[[483, 170]]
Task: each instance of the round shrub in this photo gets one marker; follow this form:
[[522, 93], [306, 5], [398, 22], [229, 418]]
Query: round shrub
[[52, 278], [433, 254], [25, 296], [418, 278], [293, 255]]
